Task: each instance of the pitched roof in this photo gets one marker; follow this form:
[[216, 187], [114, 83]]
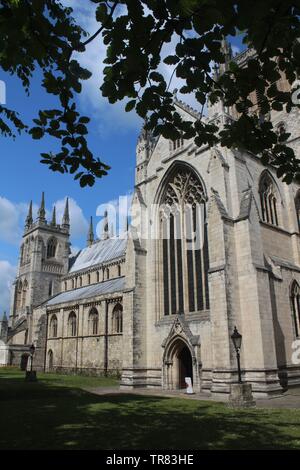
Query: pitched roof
[[99, 252], [106, 287]]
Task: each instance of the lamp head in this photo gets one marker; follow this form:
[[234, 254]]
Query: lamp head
[[236, 339]]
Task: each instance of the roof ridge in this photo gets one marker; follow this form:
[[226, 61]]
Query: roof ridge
[[186, 107], [99, 253]]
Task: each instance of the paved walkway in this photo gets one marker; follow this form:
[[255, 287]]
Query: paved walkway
[[289, 399]]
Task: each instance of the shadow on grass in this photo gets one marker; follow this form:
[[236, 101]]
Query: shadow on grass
[[40, 416]]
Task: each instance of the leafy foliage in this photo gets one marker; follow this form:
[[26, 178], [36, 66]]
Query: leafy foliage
[[45, 35]]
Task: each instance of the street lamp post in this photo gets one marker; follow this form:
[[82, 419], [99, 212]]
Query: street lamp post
[[241, 392], [237, 342], [31, 374], [32, 350]]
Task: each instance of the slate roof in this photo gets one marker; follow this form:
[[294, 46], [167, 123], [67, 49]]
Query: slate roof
[[101, 251], [106, 287]]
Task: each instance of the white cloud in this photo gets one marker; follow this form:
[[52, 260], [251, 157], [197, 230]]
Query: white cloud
[[7, 275], [172, 80], [235, 49], [91, 100], [78, 223], [12, 219]]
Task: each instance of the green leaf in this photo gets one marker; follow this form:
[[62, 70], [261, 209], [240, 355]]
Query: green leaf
[[171, 60], [101, 13], [37, 132], [130, 105]]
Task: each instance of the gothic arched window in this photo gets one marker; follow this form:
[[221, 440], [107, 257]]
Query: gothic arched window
[[117, 319], [51, 248], [53, 326], [50, 288], [268, 200], [93, 321], [295, 300], [24, 293], [80, 281], [89, 279], [297, 206], [176, 144], [184, 246], [27, 251], [72, 324], [50, 359], [19, 294], [22, 254], [40, 245], [107, 273], [98, 276]]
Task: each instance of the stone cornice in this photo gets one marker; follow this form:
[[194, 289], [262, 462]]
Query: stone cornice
[[94, 268]]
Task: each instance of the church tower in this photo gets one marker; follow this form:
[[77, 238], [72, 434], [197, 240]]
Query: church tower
[[43, 260]]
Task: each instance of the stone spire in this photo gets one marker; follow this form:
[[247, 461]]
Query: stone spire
[[105, 231], [53, 220], [227, 52], [66, 216], [41, 211], [90, 237], [29, 219]]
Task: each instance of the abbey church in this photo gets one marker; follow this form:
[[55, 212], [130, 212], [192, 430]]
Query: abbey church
[[160, 302]]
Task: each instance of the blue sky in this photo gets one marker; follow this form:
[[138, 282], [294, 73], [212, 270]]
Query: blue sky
[[112, 136], [23, 177]]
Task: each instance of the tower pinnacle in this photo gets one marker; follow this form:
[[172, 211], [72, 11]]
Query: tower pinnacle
[[41, 211], [90, 237], [53, 220], [29, 219], [227, 52], [66, 216]]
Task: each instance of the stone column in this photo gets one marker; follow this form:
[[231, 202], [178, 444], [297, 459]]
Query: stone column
[[258, 353]]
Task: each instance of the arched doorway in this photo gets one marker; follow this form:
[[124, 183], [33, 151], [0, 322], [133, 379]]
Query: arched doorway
[[178, 364], [24, 361], [50, 359], [185, 366]]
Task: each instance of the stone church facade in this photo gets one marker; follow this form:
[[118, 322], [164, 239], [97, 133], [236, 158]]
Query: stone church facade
[[213, 243]]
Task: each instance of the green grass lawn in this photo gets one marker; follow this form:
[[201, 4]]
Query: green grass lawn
[[55, 413]]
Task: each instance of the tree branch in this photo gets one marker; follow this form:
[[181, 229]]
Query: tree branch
[[102, 27]]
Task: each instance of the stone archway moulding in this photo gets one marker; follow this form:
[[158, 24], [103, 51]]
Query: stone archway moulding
[[180, 333]]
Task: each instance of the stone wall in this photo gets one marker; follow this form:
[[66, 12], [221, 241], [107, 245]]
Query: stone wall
[[85, 352]]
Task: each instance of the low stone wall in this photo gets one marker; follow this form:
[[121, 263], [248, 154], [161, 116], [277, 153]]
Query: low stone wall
[[95, 372]]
